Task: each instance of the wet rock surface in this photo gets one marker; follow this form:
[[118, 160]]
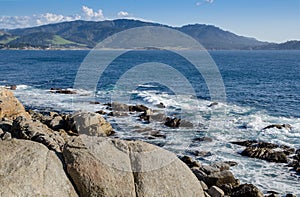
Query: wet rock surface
[[266, 151]]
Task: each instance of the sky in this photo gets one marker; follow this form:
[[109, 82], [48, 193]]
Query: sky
[[266, 20]]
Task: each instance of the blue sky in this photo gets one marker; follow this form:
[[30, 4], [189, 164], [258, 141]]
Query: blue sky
[[267, 20]]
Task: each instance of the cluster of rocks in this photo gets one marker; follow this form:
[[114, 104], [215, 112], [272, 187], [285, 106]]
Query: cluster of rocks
[[217, 179], [54, 154], [271, 152], [70, 155], [146, 114]]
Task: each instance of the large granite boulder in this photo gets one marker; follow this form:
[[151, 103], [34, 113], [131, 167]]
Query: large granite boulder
[[29, 169], [89, 123], [10, 107], [107, 167]]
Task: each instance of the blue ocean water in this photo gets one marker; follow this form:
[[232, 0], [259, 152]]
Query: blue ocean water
[[266, 80], [262, 88]]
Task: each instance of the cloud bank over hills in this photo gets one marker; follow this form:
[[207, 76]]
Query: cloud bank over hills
[[89, 14]]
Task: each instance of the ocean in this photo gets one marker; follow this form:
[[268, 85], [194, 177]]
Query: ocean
[[262, 88]]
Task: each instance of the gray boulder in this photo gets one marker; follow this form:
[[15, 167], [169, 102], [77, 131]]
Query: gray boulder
[[106, 167], [89, 123], [29, 169]]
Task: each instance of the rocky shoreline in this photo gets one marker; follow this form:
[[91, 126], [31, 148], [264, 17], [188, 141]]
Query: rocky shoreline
[[77, 154]]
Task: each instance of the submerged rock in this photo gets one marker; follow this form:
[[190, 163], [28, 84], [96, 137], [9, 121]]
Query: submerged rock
[[278, 126], [62, 91], [160, 105], [172, 122], [212, 104]]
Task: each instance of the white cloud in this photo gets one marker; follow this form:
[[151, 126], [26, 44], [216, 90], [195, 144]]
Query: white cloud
[[199, 3], [123, 14], [90, 14], [12, 22]]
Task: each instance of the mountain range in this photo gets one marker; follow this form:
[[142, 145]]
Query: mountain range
[[86, 34]]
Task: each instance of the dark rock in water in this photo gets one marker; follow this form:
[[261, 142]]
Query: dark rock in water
[[138, 108], [160, 105], [212, 104], [296, 162], [290, 195], [199, 153], [150, 133], [12, 87], [278, 126], [189, 161], [95, 102], [202, 139], [118, 114], [231, 163], [172, 122], [62, 91], [145, 116], [272, 192], [247, 190], [245, 143], [101, 112], [265, 151], [265, 154]]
